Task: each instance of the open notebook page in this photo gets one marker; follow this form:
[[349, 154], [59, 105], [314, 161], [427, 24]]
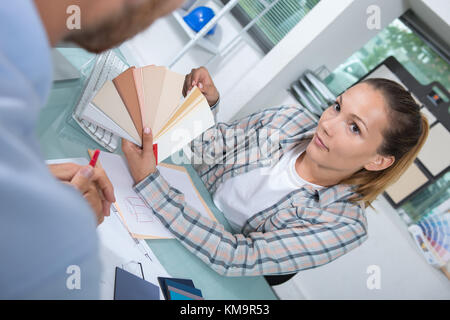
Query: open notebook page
[[136, 215]]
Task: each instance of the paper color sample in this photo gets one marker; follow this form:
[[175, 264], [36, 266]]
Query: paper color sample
[[435, 153], [181, 130], [162, 91], [170, 99], [152, 97], [410, 181], [97, 117], [152, 84], [138, 82], [109, 102], [126, 87]]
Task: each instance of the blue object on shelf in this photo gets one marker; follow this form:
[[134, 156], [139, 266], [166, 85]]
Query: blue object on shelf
[[199, 17]]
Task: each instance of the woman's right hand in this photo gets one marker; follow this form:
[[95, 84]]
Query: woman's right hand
[[201, 78], [141, 161]]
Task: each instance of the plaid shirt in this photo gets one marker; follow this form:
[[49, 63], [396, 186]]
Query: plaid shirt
[[305, 229]]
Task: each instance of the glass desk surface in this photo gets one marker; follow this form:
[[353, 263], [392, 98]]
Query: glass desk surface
[[60, 137]]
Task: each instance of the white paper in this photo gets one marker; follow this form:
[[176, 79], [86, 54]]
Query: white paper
[[181, 181], [137, 216], [118, 249]]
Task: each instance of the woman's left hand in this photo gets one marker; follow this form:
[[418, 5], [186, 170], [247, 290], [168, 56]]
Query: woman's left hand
[[141, 161]]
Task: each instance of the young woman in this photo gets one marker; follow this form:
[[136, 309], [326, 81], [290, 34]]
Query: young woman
[[302, 210]]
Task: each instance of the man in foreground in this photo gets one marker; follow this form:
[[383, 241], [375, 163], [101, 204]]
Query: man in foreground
[[47, 232]]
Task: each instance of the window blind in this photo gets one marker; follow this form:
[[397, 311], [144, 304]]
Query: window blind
[[276, 22]]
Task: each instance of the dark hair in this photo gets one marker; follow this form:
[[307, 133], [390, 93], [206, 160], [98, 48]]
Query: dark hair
[[403, 138]]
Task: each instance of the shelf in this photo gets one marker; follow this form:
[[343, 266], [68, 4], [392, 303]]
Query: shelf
[[205, 43], [198, 38]]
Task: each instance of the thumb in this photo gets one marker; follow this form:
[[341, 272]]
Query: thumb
[[147, 141], [82, 178]]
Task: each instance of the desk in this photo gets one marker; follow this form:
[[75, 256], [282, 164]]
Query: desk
[[60, 137]]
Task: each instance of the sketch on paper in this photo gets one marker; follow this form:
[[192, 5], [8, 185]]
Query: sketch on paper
[[139, 209]]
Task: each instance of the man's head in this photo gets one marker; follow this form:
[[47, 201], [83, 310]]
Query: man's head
[[104, 23]]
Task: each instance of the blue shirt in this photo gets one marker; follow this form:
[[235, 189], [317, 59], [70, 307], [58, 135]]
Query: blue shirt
[[46, 227]]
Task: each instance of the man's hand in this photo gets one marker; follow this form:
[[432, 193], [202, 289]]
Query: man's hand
[[202, 79], [141, 161], [92, 183]]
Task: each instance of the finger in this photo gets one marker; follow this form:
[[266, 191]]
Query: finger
[[64, 171], [104, 185], [82, 178], [106, 208], [200, 77], [147, 141], [184, 86], [188, 83]]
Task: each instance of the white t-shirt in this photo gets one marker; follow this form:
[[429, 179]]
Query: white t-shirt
[[241, 197]]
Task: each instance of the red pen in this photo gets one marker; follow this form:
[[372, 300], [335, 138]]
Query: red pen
[[155, 152], [94, 159]]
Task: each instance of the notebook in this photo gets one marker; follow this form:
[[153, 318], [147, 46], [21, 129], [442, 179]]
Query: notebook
[[163, 285], [152, 97], [130, 287], [179, 291]]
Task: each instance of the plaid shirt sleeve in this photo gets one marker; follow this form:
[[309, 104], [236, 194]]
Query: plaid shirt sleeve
[[275, 252], [285, 250]]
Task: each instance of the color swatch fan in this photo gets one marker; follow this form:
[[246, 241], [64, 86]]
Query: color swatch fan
[[152, 97], [436, 228]]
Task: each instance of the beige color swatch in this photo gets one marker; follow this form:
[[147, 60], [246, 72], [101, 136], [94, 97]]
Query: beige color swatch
[[162, 92], [109, 102], [411, 180], [192, 101], [137, 77], [152, 84], [170, 100], [435, 153], [197, 117], [127, 90]]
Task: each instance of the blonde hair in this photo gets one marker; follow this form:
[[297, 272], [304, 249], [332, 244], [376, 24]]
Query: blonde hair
[[403, 139]]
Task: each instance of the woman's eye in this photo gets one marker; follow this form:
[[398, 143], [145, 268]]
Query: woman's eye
[[356, 128]]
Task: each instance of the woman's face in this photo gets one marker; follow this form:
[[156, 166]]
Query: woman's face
[[351, 130]]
